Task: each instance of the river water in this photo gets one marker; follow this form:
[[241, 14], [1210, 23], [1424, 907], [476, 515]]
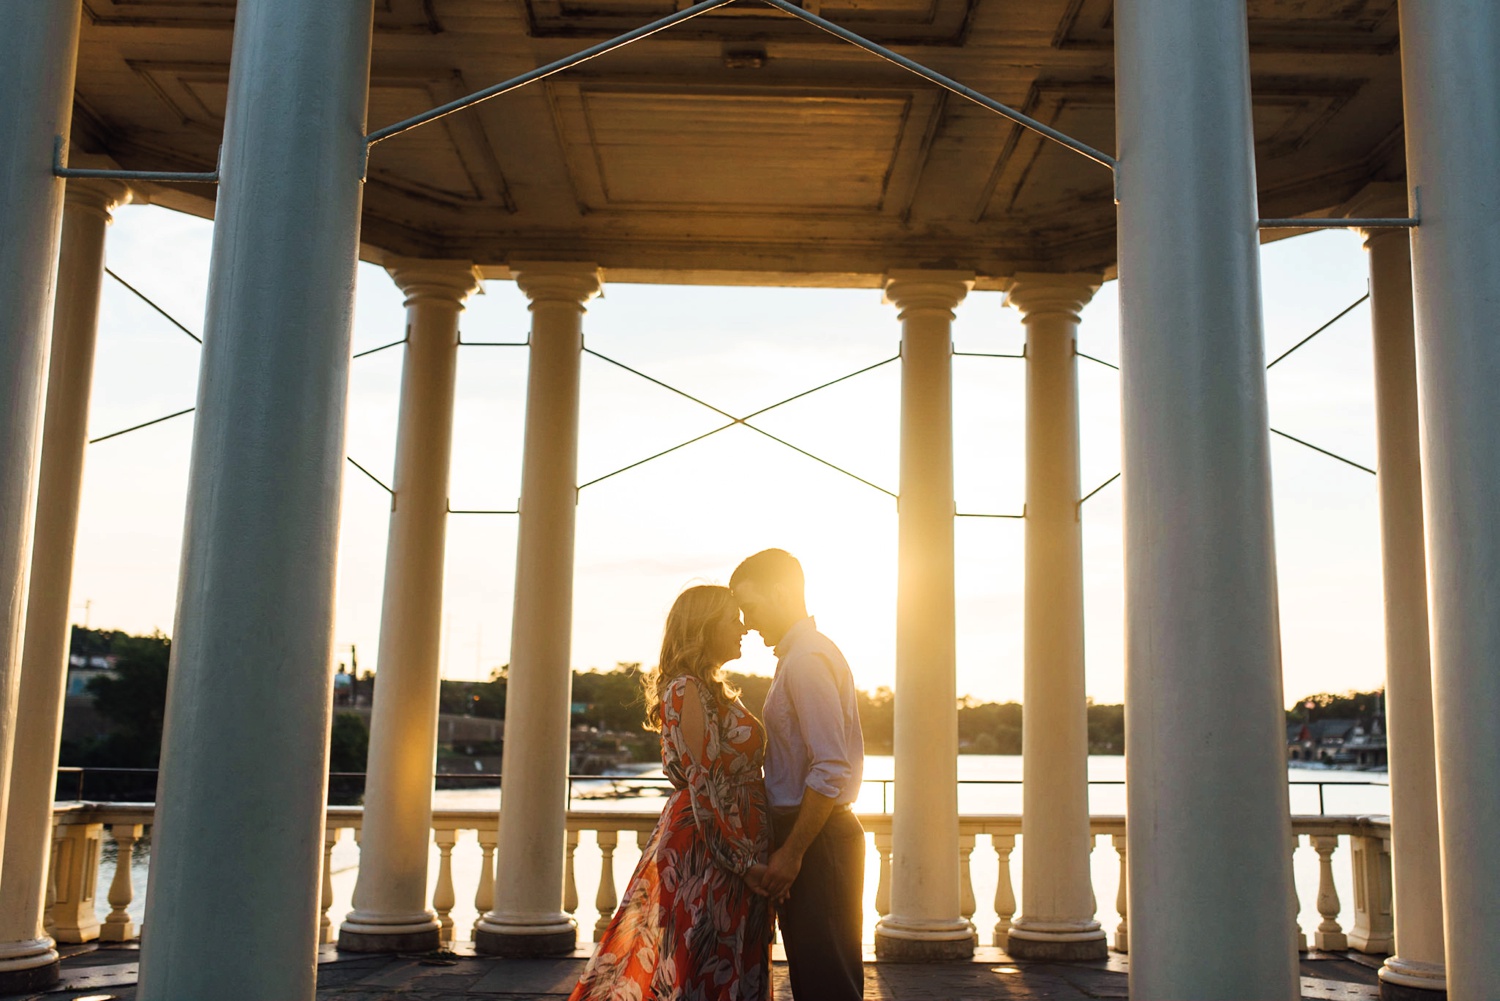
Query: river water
[[989, 784]]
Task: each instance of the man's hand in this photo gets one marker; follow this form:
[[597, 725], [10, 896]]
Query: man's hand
[[755, 878], [786, 863]]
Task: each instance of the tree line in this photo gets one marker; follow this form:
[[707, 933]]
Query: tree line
[[131, 699]]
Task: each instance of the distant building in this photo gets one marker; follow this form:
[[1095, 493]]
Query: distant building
[[1338, 742]]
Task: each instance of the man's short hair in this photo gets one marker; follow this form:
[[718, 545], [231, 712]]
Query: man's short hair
[[768, 567]]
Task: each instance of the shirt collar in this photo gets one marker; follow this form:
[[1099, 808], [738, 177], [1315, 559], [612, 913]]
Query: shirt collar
[[797, 630]]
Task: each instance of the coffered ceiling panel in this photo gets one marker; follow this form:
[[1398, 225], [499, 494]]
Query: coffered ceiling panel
[[643, 149], [1275, 25], [390, 15], [931, 22]]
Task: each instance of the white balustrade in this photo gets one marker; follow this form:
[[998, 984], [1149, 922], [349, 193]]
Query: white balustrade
[[78, 831]]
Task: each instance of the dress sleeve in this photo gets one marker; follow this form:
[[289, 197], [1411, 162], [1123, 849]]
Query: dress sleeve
[[716, 811]]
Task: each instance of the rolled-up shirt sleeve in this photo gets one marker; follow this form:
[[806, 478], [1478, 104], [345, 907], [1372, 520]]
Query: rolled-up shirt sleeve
[[820, 718]]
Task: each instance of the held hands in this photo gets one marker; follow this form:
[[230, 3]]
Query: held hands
[[775, 880]]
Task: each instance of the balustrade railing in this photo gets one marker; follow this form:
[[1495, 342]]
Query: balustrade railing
[[79, 831]]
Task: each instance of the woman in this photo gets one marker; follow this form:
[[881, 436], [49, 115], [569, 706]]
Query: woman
[[690, 928]]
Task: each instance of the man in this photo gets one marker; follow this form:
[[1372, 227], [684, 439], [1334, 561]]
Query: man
[[815, 753]]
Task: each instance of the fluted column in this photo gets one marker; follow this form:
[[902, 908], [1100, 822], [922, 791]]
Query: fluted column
[[1210, 874], [1416, 857], [44, 663], [926, 919], [1451, 79], [528, 916], [38, 52], [1057, 897], [390, 906], [232, 904]]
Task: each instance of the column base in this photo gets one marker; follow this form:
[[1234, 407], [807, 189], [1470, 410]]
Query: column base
[[390, 933], [1069, 942], [1407, 980], [917, 941], [495, 936], [28, 966]]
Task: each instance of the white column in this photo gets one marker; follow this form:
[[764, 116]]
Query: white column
[[44, 664], [1451, 78], [237, 847], [1057, 895], [1415, 849], [528, 916], [38, 52], [926, 920], [390, 906], [1210, 874]]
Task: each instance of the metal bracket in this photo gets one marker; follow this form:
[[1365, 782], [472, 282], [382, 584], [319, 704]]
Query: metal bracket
[[1339, 223]]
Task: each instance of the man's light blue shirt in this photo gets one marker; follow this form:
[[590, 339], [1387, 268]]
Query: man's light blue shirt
[[813, 737]]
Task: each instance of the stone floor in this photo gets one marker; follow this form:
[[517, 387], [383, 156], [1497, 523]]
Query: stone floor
[[109, 973]]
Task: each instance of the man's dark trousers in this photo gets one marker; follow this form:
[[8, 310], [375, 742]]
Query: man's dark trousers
[[822, 922]]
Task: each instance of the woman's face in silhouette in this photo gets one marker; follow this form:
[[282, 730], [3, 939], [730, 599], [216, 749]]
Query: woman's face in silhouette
[[725, 636]]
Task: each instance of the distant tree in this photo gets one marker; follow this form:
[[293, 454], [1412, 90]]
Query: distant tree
[[348, 743], [1106, 729], [133, 701], [610, 700], [1348, 705]]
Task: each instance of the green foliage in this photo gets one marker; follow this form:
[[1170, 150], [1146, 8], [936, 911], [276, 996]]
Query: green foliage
[[610, 700], [133, 701], [485, 699], [348, 743], [1349, 705]]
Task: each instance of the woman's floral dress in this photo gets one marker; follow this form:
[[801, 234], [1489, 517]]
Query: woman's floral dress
[[689, 928]]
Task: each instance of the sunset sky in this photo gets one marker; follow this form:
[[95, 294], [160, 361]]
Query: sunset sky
[[688, 518]]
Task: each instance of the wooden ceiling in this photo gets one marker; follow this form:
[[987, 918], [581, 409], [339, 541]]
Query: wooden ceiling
[[745, 146]]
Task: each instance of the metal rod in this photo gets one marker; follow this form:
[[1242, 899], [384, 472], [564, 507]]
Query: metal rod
[[831, 382], [116, 434], [663, 385], [59, 169], [492, 344], [378, 481], [382, 347], [453, 510], [986, 354], [1101, 361], [932, 76], [803, 451], [970, 514], [1098, 488], [1342, 313], [1331, 455], [542, 72], [144, 298], [1409, 223], [658, 455]]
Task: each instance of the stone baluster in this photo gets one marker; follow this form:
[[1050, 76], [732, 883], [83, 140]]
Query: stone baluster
[[118, 927], [570, 885], [325, 923], [883, 887], [1373, 928], [1122, 895], [76, 873], [606, 900], [1005, 894], [442, 895], [1329, 936], [1298, 935], [966, 904], [484, 896]]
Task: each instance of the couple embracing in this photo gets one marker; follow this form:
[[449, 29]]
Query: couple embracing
[[759, 817]]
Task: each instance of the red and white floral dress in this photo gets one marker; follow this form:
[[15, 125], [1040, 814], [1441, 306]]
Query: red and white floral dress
[[689, 928]]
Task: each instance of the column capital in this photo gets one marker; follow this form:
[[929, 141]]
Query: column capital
[[1037, 293], [99, 195], [428, 280], [920, 289], [574, 282], [1378, 200]]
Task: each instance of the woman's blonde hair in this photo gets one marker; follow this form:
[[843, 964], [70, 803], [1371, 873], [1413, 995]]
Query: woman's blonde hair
[[685, 648]]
